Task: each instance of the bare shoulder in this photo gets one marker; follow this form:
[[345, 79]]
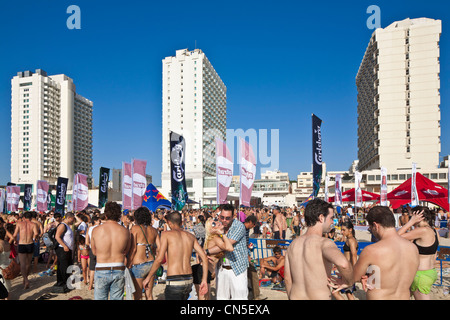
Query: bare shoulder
[[188, 234], [326, 242], [123, 229], [134, 229]]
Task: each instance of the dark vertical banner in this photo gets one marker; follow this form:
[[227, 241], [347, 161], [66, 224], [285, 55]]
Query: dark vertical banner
[[177, 170], [103, 187], [61, 190], [27, 197], [317, 154]]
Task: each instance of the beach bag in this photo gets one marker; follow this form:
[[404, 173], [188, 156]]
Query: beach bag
[[12, 271], [47, 241], [51, 235]]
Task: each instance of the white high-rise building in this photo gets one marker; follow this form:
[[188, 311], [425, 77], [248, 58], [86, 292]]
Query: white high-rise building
[[51, 129], [398, 97], [194, 105]]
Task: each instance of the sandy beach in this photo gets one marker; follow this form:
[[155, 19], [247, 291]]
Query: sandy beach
[[41, 285]]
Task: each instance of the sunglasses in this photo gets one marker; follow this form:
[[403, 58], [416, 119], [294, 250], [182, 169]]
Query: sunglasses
[[214, 223], [224, 218]]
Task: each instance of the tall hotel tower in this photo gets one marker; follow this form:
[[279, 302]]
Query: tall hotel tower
[[398, 97], [194, 105], [51, 129]]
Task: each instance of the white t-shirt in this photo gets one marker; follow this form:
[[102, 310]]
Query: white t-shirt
[[68, 237], [82, 227]]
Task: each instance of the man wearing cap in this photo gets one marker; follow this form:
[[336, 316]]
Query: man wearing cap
[[110, 243]]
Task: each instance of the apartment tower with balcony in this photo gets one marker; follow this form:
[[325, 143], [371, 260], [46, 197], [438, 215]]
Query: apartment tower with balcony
[[51, 129], [193, 105], [398, 99]]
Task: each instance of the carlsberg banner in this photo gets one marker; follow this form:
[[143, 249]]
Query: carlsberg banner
[[61, 189], [178, 182], [103, 187], [317, 154]]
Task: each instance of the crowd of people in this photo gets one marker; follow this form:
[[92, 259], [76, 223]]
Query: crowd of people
[[122, 252]]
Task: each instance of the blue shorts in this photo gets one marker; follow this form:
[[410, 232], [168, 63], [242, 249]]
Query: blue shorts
[[37, 249], [140, 271]]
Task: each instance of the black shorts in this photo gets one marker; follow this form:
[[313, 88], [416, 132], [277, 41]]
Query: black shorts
[[197, 274], [92, 261], [26, 248]]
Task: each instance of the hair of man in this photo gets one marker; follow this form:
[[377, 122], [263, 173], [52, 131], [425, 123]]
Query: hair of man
[[314, 209]]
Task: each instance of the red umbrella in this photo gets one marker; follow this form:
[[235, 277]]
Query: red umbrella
[[349, 196], [427, 190]]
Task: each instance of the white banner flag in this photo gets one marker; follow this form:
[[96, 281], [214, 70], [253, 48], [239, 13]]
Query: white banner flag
[[2, 200], [358, 191], [327, 183], [414, 195]]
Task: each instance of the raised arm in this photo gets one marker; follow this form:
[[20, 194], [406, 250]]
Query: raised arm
[[332, 254], [360, 269], [416, 232]]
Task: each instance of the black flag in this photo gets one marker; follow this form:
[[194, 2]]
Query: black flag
[[61, 189], [27, 197], [178, 181], [317, 154], [103, 187]]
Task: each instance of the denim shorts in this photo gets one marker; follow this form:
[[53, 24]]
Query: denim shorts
[[140, 271], [110, 282]]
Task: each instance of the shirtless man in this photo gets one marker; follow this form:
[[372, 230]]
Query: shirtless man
[[279, 224], [110, 242], [178, 245], [296, 224], [27, 232], [265, 223], [275, 264], [37, 240], [310, 258], [393, 260]]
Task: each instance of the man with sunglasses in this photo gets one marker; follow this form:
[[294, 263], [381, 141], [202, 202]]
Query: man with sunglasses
[[231, 271]]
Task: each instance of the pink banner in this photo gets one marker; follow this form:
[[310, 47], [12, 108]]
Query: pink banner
[[139, 184], [80, 196], [224, 170], [248, 172], [42, 195], [383, 187], [126, 185], [12, 198]]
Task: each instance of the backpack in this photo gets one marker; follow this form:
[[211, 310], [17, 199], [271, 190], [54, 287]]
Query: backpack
[[49, 238]]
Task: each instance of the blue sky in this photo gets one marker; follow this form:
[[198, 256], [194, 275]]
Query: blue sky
[[280, 60]]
